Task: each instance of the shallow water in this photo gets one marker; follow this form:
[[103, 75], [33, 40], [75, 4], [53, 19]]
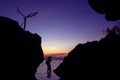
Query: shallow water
[[41, 73]]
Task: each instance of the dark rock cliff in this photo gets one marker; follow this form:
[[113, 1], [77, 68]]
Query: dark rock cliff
[[20, 51], [92, 60], [108, 7]]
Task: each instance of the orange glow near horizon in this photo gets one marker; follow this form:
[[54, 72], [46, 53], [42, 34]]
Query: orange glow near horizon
[[53, 50], [57, 45], [48, 50]]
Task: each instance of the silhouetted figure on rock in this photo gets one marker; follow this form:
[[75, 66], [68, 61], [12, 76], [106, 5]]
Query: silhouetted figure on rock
[[20, 51], [48, 63]]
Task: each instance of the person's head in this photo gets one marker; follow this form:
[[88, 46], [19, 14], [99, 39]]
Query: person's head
[[50, 57]]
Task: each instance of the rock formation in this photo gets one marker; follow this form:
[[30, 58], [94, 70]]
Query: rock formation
[[108, 7], [92, 60], [20, 51]]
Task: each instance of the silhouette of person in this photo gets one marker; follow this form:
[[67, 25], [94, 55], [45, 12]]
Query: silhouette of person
[[48, 63]]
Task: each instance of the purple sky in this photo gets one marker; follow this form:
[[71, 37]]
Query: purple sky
[[62, 24]]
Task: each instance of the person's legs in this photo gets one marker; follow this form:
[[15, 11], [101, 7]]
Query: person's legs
[[48, 73]]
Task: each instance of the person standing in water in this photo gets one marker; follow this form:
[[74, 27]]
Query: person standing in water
[[48, 63]]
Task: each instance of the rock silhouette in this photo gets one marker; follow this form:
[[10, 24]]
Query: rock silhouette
[[97, 59], [92, 60], [108, 7], [20, 51]]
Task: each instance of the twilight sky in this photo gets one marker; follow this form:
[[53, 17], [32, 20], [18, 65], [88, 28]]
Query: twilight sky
[[62, 24]]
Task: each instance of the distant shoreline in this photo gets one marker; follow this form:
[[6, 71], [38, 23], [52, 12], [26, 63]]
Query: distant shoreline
[[55, 58]]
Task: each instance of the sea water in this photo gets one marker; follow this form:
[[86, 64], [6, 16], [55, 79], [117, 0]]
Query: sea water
[[41, 73]]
